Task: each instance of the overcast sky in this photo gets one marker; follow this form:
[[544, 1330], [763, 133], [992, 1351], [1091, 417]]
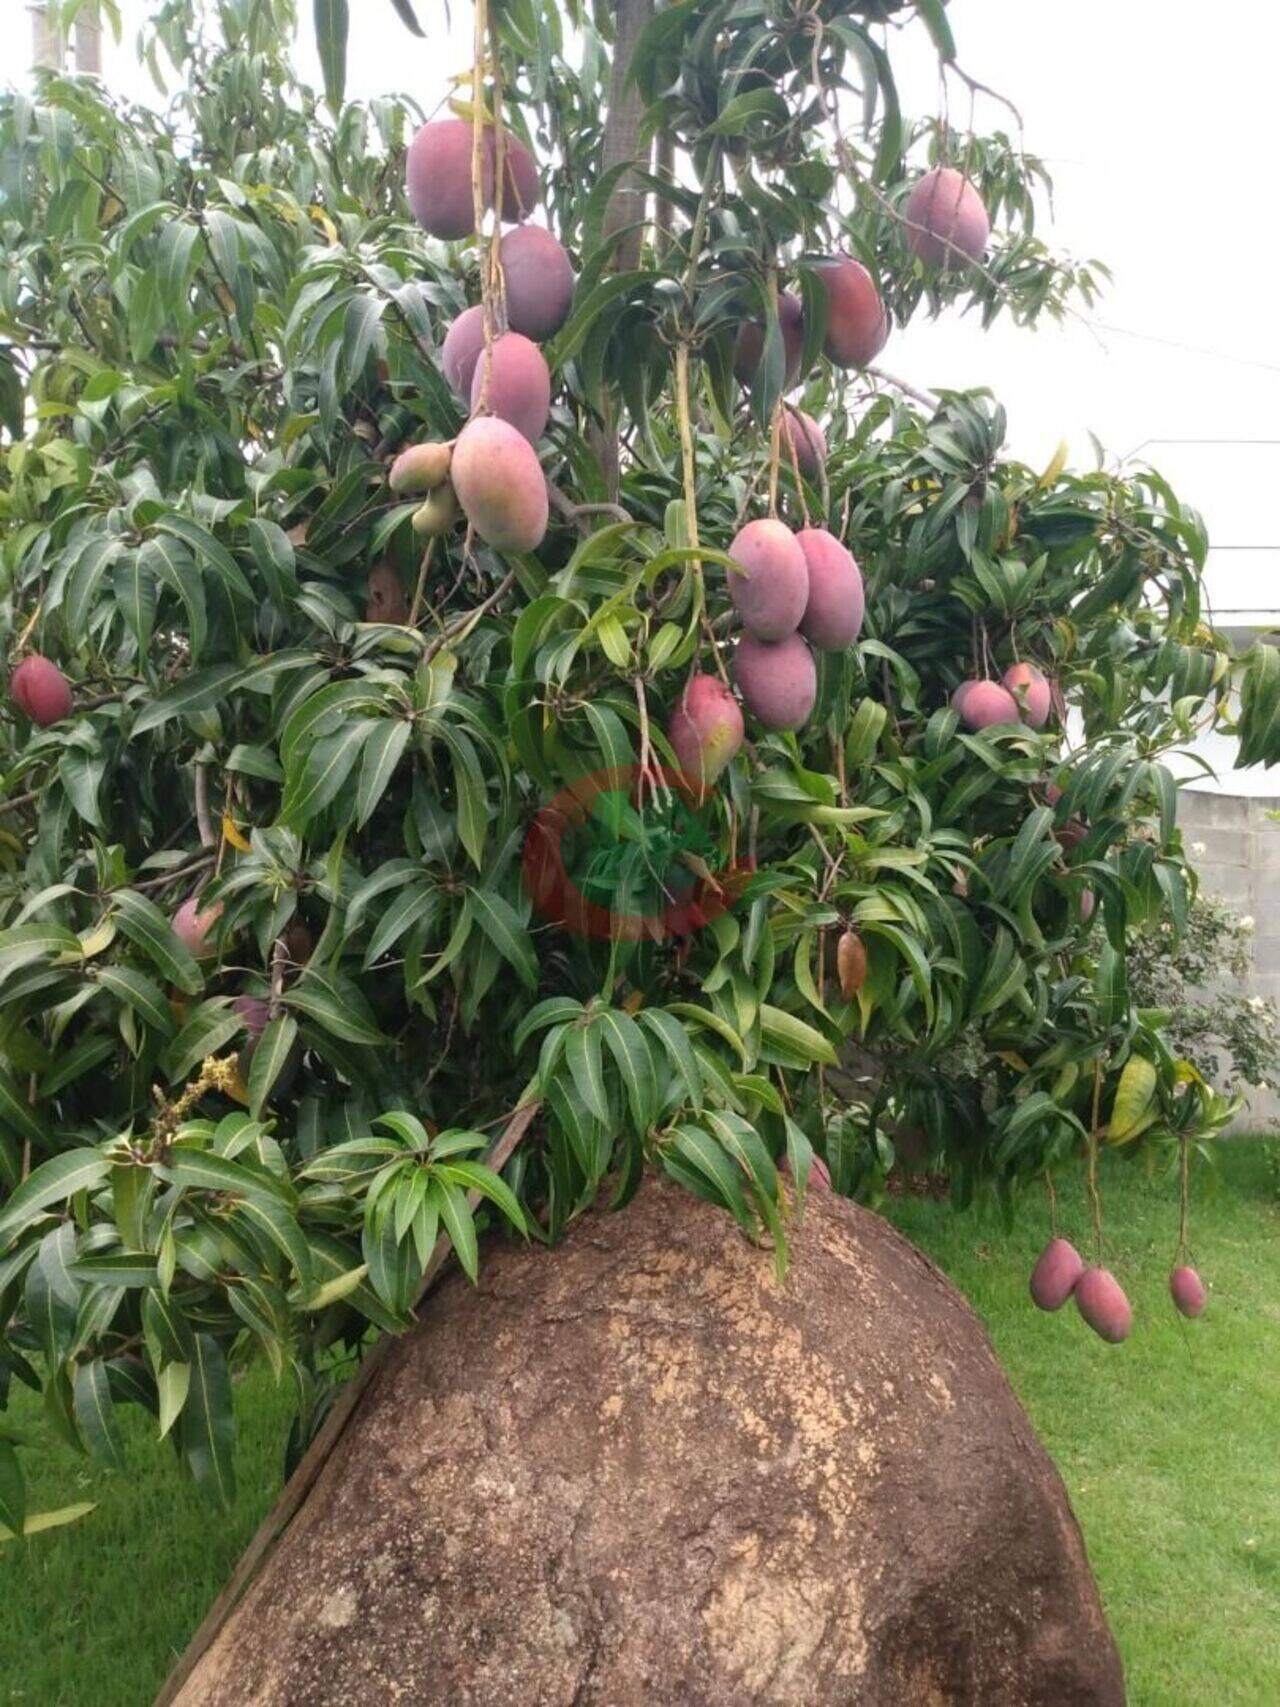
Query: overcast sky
[[1155, 118]]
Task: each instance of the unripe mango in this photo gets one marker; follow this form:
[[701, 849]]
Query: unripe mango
[[438, 177], [749, 350], [851, 964], [983, 704], [519, 385], [833, 614], [462, 349], [437, 513], [1187, 1291], [1101, 1301], [777, 679], [40, 690], [193, 927], [500, 485], [946, 223], [804, 442], [857, 324], [420, 469], [387, 602], [772, 590], [1031, 692], [539, 282], [705, 730], [1088, 901], [1055, 1275]]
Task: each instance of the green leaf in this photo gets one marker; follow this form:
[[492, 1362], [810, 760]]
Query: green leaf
[[336, 1005], [270, 1054], [203, 1170], [332, 21], [500, 922], [675, 1040], [555, 1010], [793, 1035], [167, 1331], [710, 1022], [935, 19], [96, 1413], [17, 1114], [208, 1028], [583, 1054], [95, 559], [53, 1182], [315, 782], [195, 692], [207, 1429], [142, 994], [137, 593], [382, 754], [455, 1213], [631, 1054], [13, 1491], [24, 945], [278, 1224], [405, 11], [40, 1521], [474, 1176], [173, 1383]]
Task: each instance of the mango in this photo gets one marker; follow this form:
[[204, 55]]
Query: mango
[[1053, 1279], [983, 704], [519, 389], [777, 680], [804, 440], [193, 928], [1101, 1301], [1031, 692], [857, 324], [539, 282], [946, 223], [438, 177], [833, 615], [420, 469], [750, 345], [40, 690], [772, 589], [462, 349], [500, 484], [437, 513], [705, 729], [1187, 1291], [851, 964], [386, 602]]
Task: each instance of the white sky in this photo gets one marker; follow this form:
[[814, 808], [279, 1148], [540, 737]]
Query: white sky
[[1155, 117]]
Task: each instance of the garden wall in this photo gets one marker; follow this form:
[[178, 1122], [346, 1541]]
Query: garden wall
[[1241, 863]]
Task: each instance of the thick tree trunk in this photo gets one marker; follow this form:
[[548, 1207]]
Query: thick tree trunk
[[638, 1472]]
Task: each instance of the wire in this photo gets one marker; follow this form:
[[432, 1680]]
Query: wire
[[1189, 349]]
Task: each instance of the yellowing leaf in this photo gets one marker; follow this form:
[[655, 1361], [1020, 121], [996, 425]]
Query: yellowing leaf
[[101, 936], [1057, 463], [230, 833], [321, 218], [1133, 1098]]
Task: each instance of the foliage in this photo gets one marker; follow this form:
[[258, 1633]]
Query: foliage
[[219, 325], [1198, 981]]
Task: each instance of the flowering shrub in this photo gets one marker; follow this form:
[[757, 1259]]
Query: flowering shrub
[[1199, 980]]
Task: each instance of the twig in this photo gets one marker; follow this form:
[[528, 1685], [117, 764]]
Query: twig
[[466, 622], [926, 399], [15, 801], [171, 877], [204, 820]]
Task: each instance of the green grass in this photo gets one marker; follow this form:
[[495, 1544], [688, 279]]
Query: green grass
[[1167, 1444]]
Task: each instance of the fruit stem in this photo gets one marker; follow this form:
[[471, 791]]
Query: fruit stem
[[689, 473], [1053, 1204], [420, 591], [479, 137], [1095, 1201], [1184, 1174]]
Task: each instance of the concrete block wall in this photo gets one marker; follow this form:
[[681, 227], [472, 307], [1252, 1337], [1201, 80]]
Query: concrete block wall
[[1241, 864]]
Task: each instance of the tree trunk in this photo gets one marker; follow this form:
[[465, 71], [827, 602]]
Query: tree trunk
[[637, 1471]]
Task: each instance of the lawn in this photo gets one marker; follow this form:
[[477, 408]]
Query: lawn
[[1167, 1444]]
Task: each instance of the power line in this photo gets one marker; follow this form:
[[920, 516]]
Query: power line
[[1188, 349]]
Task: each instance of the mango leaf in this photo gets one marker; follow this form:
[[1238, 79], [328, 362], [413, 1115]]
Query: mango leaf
[[207, 1425], [1134, 1094]]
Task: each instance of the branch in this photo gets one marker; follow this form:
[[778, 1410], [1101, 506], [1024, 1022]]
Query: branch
[[926, 399]]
